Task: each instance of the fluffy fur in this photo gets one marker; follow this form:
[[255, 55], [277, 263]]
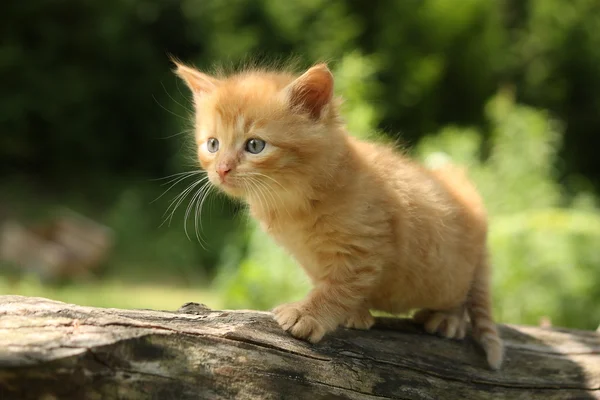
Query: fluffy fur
[[371, 228]]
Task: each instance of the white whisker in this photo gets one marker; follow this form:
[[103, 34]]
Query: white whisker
[[177, 200], [253, 193], [206, 189], [178, 133], [260, 188], [169, 111], [177, 179], [175, 101], [268, 177], [195, 196], [178, 174], [271, 191], [199, 209]]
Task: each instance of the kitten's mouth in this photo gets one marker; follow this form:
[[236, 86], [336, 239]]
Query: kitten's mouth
[[228, 182], [224, 181], [231, 187]]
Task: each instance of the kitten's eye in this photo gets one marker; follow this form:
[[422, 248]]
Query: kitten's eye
[[255, 146], [212, 145]]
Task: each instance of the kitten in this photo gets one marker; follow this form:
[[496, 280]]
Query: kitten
[[371, 228]]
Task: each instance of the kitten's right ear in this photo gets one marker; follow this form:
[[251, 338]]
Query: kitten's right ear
[[312, 91], [198, 82]]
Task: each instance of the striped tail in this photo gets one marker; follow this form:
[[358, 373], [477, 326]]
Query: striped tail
[[480, 310]]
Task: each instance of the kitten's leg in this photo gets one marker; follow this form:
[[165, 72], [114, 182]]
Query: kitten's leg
[[361, 319], [451, 324], [338, 296]]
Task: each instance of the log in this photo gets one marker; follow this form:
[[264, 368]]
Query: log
[[53, 350]]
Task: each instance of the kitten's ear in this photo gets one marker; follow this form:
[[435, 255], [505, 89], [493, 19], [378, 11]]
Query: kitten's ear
[[312, 91], [198, 82]]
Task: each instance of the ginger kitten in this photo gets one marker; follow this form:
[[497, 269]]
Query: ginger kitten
[[371, 228]]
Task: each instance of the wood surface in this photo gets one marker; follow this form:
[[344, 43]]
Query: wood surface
[[52, 350]]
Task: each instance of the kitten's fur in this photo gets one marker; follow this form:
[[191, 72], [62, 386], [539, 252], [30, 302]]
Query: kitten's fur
[[372, 229]]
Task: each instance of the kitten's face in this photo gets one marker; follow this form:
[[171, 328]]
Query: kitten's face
[[261, 136], [239, 135]]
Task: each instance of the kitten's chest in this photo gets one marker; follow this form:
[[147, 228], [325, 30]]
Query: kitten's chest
[[297, 240]]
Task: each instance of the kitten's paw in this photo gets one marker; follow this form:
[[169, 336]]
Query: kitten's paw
[[450, 324], [360, 320], [299, 323]]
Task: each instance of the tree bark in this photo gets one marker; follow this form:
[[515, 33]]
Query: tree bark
[[53, 350]]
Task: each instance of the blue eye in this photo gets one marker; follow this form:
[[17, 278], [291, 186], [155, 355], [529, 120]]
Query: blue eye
[[255, 146], [212, 145]]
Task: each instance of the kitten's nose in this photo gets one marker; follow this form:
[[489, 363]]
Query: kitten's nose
[[223, 169]]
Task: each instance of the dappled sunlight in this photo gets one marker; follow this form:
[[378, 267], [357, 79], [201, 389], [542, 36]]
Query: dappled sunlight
[[114, 294]]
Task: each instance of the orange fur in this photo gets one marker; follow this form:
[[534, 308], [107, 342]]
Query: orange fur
[[371, 228]]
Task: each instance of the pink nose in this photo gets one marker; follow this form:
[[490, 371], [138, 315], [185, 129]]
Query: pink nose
[[223, 169]]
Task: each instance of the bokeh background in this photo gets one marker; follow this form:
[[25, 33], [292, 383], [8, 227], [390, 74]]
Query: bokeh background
[[94, 124]]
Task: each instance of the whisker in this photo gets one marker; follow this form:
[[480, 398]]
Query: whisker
[[177, 134], [180, 178], [206, 189], [177, 200], [175, 101], [198, 215], [177, 174], [270, 191], [179, 88], [183, 193], [169, 111], [207, 193], [175, 205], [189, 207], [187, 213], [177, 180], [260, 190], [268, 177], [253, 193]]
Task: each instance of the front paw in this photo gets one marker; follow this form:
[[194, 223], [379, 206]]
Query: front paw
[[297, 321]]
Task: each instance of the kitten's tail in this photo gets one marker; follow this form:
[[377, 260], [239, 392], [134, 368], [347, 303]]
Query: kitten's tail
[[480, 310]]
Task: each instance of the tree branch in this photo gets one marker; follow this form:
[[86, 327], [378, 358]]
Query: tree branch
[[53, 350]]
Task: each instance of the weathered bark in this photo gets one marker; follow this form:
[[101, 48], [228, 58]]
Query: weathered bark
[[53, 350]]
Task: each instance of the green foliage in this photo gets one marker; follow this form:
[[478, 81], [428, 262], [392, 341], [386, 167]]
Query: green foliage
[[88, 81], [90, 105], [155, 241], [543, 243], [172, 245], [355, 83], [266, 277]]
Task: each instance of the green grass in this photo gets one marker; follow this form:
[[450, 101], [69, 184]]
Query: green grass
[[113, 293]]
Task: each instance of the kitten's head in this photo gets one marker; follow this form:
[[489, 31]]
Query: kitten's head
[[262, 135]]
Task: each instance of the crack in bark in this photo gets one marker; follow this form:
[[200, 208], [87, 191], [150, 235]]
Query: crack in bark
[[114, 369], [313, 382], [121, 347], [270, 346], [230, 336], [476, 381], [263, 345], [416, 369]]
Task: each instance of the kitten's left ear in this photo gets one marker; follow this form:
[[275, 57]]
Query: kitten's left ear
[[312, 91], [198, 82]]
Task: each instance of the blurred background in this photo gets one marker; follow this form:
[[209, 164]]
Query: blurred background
[[96, 133]]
